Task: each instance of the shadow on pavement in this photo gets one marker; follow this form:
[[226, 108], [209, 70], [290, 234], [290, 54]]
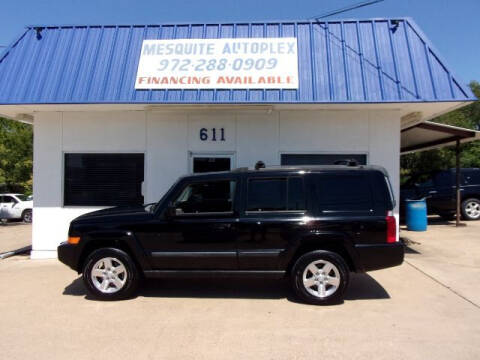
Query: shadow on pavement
[[362, 287]]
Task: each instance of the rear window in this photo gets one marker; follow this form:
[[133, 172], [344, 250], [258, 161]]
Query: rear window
[[349, 193]]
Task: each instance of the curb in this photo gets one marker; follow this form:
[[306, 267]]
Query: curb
[[15, 252]]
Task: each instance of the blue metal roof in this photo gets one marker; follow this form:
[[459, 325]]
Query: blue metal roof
[[351, 61]]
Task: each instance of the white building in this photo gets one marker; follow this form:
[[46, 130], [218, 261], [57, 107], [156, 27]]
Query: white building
[[118, 119]]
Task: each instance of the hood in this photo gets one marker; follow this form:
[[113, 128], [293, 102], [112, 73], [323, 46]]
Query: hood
[[114, 212]]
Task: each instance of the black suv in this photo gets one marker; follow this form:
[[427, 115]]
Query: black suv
[[314, 224], [440, 191]]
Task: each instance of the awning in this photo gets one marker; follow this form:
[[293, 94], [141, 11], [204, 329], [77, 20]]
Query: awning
[[429, 135]]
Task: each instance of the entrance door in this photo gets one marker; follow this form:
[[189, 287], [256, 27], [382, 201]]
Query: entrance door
[[201, 163]]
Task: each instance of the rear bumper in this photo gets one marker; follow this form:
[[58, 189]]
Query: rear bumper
[[380, 256], [67, 254]]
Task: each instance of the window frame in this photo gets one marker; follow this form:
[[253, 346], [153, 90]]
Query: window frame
[[99, 152], [274, 177], [187, 183]]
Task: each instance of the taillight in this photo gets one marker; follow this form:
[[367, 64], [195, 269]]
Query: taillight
[[391, 228]]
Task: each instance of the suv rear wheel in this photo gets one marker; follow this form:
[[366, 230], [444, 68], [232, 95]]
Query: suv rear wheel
[[320, 277], [110, 274], [471, 209]]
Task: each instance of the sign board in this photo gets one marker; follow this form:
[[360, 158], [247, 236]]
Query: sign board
[[253, 63]]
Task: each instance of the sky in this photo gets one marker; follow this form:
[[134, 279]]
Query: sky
[[452, 25]]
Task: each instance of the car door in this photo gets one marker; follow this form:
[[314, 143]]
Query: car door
[[442, 196], [201, 233], [8, 204], [274, 211], [17, 208]]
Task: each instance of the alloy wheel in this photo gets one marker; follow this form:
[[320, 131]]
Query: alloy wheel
[[472, 209], [321, 278], [109, 275]]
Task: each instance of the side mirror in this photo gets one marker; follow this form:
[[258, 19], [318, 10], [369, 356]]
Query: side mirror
[[170, 212]]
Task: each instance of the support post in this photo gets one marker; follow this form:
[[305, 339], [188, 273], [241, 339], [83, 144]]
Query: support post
[[457, 174]]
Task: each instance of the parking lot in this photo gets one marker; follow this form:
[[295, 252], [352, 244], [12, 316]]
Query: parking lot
[[428, 308]]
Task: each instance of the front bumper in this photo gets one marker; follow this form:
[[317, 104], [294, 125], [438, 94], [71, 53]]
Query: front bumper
[[68, 254], [380, 256]]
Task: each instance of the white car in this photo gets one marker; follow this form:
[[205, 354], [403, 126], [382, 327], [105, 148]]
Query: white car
[[16, 206]]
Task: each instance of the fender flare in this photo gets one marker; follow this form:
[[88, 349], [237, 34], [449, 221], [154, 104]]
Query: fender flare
[[122, 238]]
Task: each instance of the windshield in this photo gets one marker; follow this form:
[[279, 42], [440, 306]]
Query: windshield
[[22, 197], [162, 199]]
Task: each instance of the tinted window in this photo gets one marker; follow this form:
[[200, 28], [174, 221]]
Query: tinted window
[[471, 178], [279, 194], [206, 197], [444, 178], [8, 199], [267, 195], [343, 193], [103, 179]]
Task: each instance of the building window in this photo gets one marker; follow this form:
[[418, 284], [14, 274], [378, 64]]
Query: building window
[[321, 159], [276, 194], [206, 197], [103, 179]]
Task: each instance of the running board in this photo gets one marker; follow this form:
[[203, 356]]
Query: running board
[[156, 274]]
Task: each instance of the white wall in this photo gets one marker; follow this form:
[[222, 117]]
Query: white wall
[[168, 139]]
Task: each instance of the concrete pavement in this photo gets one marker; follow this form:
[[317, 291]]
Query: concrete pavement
[[397, 313], [425, 309], [449, 254], [15, 235]]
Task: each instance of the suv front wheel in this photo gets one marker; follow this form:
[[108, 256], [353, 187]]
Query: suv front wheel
[[110, 274], [320, 277]]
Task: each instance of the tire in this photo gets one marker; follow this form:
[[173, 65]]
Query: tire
[[110, 285], [471, 209], [27, 216], [333, 287]]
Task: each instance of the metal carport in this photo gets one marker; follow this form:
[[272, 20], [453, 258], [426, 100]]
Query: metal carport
[[429, 135]]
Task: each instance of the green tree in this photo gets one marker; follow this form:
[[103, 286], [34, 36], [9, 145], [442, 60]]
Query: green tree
[[416, 165], [16, 156]]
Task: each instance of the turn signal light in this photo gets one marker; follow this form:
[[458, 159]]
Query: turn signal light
[[74, 240], [391, 228]]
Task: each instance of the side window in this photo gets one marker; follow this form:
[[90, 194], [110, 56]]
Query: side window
[[427, 183], [275, 194], [471, 178], [206, 197], [443, 179], [8, 199], [343, 193]]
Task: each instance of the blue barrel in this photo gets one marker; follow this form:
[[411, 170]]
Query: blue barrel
[[416, 211]]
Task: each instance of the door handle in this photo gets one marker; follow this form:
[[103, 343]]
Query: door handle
[[432, 192]]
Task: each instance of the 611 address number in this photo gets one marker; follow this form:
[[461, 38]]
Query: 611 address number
[[212, 134]]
